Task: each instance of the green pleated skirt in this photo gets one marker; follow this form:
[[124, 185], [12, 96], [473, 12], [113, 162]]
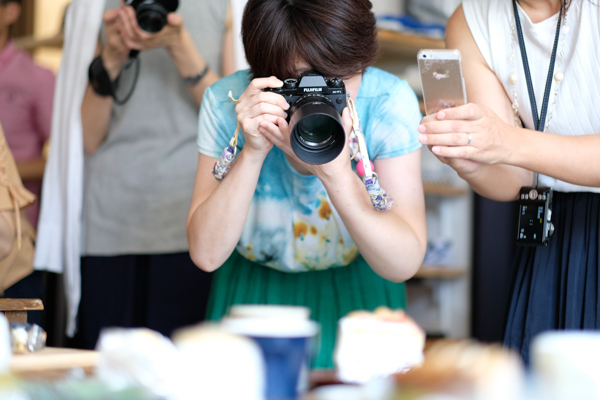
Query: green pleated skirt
[[330, 294]]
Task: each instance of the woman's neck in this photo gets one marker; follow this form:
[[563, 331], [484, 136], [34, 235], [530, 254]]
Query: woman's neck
[[540, 10]]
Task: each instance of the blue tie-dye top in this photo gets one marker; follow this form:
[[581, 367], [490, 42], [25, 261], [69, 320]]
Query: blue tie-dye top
[[292, 226]]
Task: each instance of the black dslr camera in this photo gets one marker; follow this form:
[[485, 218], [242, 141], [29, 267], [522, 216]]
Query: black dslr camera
[[316, 106], [535, 212], [152, 14]]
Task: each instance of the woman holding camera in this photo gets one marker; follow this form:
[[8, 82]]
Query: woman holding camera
[[280, 231], [556, 286], [140, 165]]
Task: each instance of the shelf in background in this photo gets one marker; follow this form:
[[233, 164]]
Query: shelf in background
[[403, 45], [439, 272], [391, 43], [443, 190], [30, 43]]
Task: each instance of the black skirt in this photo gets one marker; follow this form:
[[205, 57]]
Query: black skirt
[[556, 287]]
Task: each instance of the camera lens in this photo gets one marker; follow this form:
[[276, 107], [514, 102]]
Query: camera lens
[[316, 130], [152, 14], [318, 134], [152, 18]]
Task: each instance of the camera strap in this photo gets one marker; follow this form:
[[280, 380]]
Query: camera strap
[[358, 146], [103, 86], [357, 143], [223, 164], [538, 121]]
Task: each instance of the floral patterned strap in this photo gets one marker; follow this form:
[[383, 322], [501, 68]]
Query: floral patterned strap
[[358, 146], [224, 163]]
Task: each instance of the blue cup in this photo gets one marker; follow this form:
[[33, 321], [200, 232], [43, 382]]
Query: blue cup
[[285, 346]]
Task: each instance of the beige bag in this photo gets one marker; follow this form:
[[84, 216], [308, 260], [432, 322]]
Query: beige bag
[[17, 236]]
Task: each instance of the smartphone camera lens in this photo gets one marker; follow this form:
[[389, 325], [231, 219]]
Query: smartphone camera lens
[[424, 56]]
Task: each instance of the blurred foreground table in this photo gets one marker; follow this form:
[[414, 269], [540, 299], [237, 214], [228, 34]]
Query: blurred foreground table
[[52, 363], [16, 309]]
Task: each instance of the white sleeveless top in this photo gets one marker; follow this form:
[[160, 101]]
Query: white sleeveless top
[[578, 103]]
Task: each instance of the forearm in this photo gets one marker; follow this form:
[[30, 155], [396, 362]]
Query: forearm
[[95, 109], [572, 159], [215, 226], [189, 62], [499, 182], [32, 170], [376, 232], [95, 118]]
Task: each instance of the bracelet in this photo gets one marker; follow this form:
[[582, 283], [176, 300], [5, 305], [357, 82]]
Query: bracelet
[[99, 79], [193, 80]]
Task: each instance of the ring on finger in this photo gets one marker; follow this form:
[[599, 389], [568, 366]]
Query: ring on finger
[[469, 136]]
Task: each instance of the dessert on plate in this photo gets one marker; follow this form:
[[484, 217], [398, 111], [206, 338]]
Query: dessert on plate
[[377, 344]]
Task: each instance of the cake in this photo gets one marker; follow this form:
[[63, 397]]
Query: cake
[[377, 344], [465, 369]]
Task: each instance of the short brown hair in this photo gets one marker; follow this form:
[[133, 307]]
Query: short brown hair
[[336, 38]]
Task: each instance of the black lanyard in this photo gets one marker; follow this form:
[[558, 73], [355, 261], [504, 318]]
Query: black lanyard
[[538, 122]]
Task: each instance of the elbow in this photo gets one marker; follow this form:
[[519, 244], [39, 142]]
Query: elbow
[[204, 261], [207, 266], [403, 273], [90, 148], [398, 272], [407, 268], [201, 255]]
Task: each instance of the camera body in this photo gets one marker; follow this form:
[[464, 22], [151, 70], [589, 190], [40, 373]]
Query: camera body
[[152, 14], [311, 85], [314, 116], [535, 211]]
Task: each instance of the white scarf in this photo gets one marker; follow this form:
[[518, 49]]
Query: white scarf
[[58, 247]]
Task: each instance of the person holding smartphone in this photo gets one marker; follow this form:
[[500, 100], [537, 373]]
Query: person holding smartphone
[[277, 230], [533, 87]]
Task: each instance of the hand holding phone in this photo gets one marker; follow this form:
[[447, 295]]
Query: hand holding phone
[[441, 79], [443, 87]]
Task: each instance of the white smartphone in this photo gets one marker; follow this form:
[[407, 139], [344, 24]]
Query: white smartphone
[[441, 79]]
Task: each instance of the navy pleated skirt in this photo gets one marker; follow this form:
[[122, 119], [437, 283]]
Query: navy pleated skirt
[[557, 286]]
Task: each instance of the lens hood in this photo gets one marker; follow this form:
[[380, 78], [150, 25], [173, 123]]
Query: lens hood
[[328, 139]]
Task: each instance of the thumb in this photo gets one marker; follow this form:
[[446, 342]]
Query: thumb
[[110, 15], [347, 120], [174, 19]]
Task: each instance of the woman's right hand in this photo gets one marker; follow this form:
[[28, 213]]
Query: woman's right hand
[[255, 106], [464, 167]]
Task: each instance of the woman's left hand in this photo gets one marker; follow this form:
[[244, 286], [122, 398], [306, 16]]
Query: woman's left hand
[[279, 134], [469, 132]]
